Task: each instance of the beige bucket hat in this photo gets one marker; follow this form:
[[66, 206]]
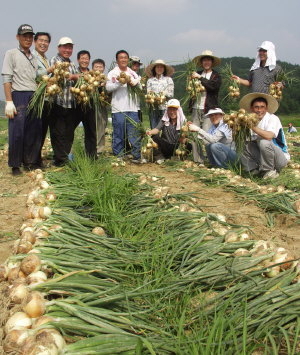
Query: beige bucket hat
[[207, 53], [169, 70], [245, 102]]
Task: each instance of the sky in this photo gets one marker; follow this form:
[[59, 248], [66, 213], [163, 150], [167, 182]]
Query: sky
[[173, 30]]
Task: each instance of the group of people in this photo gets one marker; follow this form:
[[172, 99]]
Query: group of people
[[265, 154]]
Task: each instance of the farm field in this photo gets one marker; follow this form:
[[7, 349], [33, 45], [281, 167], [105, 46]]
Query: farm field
[[177, 267]]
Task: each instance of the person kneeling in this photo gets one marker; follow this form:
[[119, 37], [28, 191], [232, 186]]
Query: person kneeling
[[218, 142], [169, 126]]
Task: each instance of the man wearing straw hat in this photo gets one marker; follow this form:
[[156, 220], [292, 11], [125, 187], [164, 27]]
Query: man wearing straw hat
[[266, 154]]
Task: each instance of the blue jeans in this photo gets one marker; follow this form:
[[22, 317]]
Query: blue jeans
[[122, 129], [155, 116], [220, 155]]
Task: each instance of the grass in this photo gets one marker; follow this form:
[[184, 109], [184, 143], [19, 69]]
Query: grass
[[3, 132]]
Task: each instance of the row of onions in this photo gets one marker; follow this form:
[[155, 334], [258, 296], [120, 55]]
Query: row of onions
[[106, 263]]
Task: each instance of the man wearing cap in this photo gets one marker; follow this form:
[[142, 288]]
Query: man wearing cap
[[63, 113], [24, 131], [41, 45], [135, 64], [159, 83], [266, 154], [263, 71], [124, 108], [169, 126], [218, 142]]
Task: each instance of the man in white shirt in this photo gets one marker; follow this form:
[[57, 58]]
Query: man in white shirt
[[266, 154], [124, 108]]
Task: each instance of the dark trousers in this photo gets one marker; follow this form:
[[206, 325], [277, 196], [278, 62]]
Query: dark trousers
[[168, 149], [62, 127], [24, 133], [45, 125], [155, 116], [87, 116]]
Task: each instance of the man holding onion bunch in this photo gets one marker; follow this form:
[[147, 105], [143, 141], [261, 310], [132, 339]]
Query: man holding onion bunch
[[63, 113], [24, 131], [266, 154], [124, 108]]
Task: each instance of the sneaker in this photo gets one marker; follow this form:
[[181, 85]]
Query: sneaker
[[160, 161], [136, 161], [16, 171], [271, 174], [254, 172]]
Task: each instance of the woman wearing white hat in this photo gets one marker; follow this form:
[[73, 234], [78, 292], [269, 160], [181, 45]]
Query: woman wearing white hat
[[170, 126], [160, 81], [218, 142], [263, 71]]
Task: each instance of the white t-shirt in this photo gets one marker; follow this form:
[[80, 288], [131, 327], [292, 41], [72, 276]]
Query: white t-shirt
[[121, 101], [200, 102], [271, 123]]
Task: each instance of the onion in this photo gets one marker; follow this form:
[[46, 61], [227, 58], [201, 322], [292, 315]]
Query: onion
[[273, 272], [37, 221], [221, 217], [231, 237], [42, 320], [39, 201], [51, 196], [42, 233], [24, 247], [98, 231], [296, 206], [15, 339], [3, 272], [38, 349], [19, 320], [39, 176], [14, 274], [55, 227], [36, 278], [44, 212], [50, 336], [244, 236], [31, 263], [44, 184], [18, 293], [241, 252], [35, 305], [28, 235]]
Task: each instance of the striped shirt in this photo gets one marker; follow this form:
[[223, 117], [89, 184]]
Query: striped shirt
[[19, 70], [261, 78], [66, 99]]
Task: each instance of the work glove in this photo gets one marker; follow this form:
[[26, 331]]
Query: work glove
[[10, 109], [194, 128]]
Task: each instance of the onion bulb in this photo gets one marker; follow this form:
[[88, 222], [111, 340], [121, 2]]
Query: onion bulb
[[14, 274], [24, 247], [18, 293], [42, 233], [296, 206], [31, 263], [15, 339], [231, 237], [98, 231], [51, 196], [244, 236], [42, 320], [44, 212], [19, 320], [44, 184], [38, 349], [55, 227], [273, 272], [241, 252], [28, 235], [35, 305], [36, 278], [3, 272], [50, 336]]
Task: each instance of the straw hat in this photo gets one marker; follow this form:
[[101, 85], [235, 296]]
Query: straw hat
[[245, 102], [207, 53], [169, 70]]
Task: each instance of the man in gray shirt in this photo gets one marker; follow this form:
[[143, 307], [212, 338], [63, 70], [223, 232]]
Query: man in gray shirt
[[24, 131]]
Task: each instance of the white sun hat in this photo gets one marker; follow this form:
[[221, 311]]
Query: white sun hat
[[214, 110]]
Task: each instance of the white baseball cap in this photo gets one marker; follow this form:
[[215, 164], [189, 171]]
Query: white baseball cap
[[65, 40], [173, 103], [214, 110]]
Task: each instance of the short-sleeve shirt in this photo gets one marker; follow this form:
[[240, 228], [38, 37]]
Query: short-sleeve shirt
[[262, 77], [19, 70]]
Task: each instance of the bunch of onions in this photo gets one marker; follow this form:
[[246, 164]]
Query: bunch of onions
[[194, 88], [104, 97], [160, 98], [150, 98], [43, 212], [148, 145], [234, 90], [275, 90], [181, 151], [123, 78], [241, 123]]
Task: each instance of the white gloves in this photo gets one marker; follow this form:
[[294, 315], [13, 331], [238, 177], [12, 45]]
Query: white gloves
[[194, 128], [10, 109]]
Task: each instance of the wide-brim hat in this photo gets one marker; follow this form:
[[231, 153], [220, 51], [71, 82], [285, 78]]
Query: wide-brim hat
[[207, 53], [245, 102], [214, 110], [169, 70]]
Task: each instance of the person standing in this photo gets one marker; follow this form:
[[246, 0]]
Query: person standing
[[41, 44], [263, 71], [266, 154], [159, 82], [86, 113], [101, 116], [135, 65], [63, 112], [24, 130], [124, 108]]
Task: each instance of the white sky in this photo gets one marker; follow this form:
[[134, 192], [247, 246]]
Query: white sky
[[169, 29]]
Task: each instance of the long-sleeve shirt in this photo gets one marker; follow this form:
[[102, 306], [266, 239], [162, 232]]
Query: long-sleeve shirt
[[121, 100], [222, 134], [42, 63], [19, 70], [163, 85], [66, 99]]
